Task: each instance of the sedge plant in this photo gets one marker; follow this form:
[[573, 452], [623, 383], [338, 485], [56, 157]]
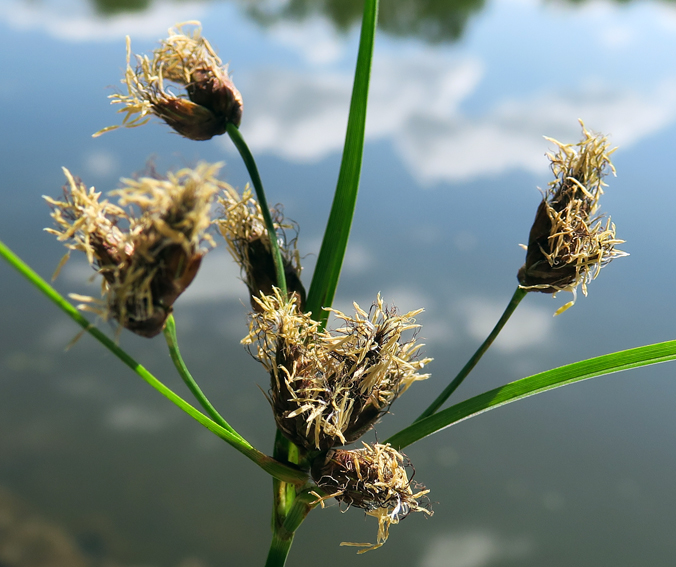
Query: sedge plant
[[328, 386]]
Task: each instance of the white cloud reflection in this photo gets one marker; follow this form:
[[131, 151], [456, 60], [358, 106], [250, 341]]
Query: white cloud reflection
[[304, 116], [131, 417], [529, 326], [472, 316], [102, 163], [76, 20], [316, 40], [420, 111], [422, 97], [217, 280], [477, 548]]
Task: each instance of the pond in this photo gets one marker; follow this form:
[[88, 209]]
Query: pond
[[462, 94]]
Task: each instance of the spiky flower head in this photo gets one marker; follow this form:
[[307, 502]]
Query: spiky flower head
[[186, 59], [328, 389], [568, 243], [148, 252], [243, 228], [375, 479]]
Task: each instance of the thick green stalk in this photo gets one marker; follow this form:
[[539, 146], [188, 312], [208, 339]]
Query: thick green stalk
[[289, 510], [250, 163], [270, 465], [283, 497], [283, 493], [175, 353], [302, 505], [283, 536], [519, 294], [279, 551]]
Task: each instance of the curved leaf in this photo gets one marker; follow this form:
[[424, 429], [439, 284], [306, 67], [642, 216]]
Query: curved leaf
[[536, 384], [230, 436]]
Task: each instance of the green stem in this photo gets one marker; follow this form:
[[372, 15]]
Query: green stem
[[268, 464], [172, 342], [519, 294], [302, 505], [283, 497], [250, 163], [279, 551], [282, 493], [283, 536]]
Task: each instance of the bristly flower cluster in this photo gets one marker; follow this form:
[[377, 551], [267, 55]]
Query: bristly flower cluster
[[328, 389], [148, 254], [373, 478], [186, 59], [243, 228], [568, 245]]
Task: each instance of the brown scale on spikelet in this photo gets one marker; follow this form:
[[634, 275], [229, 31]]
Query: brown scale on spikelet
[[186, 59], [243, 228], [375, 479], [568, 245], [148, 254], [328, 389]]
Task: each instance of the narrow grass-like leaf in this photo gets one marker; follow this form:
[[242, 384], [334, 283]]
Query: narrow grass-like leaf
[[270, 465], [330, 259], [536, 384]]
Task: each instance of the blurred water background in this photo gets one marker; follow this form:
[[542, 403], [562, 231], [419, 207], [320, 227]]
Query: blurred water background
[[463, 92]]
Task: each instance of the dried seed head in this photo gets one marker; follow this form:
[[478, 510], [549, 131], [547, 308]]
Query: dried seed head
[[568, 245], [186, 59], [147, 259], [243, 228], [375, 479], [328, 389]]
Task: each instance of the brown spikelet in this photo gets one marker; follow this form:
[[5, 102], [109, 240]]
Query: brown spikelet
[[148, 252], [568, 243], [210, 101]]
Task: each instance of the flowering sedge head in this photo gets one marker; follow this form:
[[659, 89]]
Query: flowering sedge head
[[375, 479], [568, 244], [328, 389], [148, 253], [243, 228], [187, 59]]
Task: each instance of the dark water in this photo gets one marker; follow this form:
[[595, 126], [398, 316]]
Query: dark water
[[461, 97]]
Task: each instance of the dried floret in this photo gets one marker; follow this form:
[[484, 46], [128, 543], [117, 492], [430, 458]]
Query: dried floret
[[328, 389], [210, 103], [243, 227], [568, 244], [375, 479], [148, 252]]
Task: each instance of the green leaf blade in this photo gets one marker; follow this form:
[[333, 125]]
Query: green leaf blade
[[332, 252], [536, 384]]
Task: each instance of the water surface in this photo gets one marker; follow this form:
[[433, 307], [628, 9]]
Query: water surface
[[461, 98]]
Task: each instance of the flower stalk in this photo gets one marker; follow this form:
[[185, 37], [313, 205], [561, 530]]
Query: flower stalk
[[518, 295], [250, 163], [184, 373]]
